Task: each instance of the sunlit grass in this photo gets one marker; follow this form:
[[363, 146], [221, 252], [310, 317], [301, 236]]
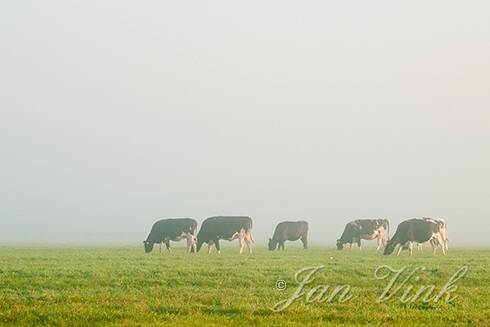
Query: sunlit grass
[[122, 285]]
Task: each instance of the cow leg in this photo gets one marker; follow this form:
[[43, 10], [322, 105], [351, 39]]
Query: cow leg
[[167, 245], [378, 242], [410, 248], [194, 244], [400, 248], [383, 241], [248, 241], [434, 247], [359, 244], [241, 241], [216, 243], [189, 239], [434, 241], [439, 241], [304, 239], [210, 246], [380, 237], [161, 245], [443, 233], [443, 246]]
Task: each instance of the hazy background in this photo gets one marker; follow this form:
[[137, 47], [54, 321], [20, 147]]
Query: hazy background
[[116, 113]]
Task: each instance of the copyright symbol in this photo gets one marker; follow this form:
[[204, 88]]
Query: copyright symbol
[[281, 285]]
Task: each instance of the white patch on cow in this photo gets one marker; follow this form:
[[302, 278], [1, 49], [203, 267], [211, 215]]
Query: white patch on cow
[[372, 236], [234, 236]]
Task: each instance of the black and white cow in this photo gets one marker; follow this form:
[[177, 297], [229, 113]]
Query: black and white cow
[[289, 231], [229, 228], [366, 229], [418, 231], [172, 229]]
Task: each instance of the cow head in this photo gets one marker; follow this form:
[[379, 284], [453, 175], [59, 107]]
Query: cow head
[[272, 244], [148, 246], [200, 242], [340, 244], [390, 247]]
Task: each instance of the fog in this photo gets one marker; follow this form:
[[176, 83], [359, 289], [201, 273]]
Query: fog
[[114, 114]]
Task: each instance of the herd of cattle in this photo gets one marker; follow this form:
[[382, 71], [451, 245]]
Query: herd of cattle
[[214, 229]]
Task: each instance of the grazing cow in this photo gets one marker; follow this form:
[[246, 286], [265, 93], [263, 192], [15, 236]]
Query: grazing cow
[[173, 229], [366, 229], [214, 229], [289, 231], [416, 230]]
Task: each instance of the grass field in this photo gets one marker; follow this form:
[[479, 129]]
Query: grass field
[[65, 285]]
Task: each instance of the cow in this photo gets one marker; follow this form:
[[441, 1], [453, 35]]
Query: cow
[[366, 229], [228, 228], [289, 231], [416, 230], [172, 229]]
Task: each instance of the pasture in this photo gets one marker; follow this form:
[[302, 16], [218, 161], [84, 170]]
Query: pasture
[[121, 285]]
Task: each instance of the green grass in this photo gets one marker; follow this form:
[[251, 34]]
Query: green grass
[[124, 286]]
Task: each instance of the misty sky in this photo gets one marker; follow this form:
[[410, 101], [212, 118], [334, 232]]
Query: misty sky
[[116, 113]]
